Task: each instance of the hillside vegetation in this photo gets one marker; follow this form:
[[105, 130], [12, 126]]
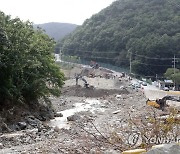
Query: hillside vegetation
[[148, 30], [57, 30]]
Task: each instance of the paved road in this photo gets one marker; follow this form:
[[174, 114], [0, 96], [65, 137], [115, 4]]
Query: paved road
[[156, 93]]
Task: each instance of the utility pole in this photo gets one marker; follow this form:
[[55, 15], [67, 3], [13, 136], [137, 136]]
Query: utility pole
[[174, 66], [130, 63], [60, 54], [156, 77]]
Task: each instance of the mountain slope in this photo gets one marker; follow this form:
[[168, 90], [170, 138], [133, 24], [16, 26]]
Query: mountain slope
[[148, 29], [57, 30]]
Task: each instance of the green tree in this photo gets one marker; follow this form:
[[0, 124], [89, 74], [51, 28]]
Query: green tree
[[170, 75], [170, 72], [27, 66], [176, 78]]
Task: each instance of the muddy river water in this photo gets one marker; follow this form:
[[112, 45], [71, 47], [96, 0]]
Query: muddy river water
[[91, 105]]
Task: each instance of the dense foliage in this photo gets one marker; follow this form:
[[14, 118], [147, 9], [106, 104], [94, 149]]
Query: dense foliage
[[27, 66], [173, 74], [149, 29]]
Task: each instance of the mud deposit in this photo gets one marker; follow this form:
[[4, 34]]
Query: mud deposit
[[90, 92]]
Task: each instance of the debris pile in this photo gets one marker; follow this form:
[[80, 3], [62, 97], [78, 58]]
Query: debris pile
[[100, 118]]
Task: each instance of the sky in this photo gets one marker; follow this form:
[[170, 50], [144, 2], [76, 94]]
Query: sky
[[43, 11]]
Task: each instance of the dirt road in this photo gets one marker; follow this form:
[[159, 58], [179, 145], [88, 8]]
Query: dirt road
[[155, 93]]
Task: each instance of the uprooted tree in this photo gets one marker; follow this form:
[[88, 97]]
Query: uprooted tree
[[27, 67]]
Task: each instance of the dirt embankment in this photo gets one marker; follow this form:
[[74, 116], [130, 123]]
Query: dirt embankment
[[90, 92]]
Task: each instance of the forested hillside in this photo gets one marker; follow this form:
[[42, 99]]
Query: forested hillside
[[146, 30], [57, 30]]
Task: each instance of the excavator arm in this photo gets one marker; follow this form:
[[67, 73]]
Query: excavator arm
[[77, 77], [161, 103]]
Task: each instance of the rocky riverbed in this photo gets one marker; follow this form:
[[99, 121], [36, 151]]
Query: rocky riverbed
[[85, 120]]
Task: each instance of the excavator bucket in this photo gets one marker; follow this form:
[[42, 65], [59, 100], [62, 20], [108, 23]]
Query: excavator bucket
[[153, 103], [161, 103]]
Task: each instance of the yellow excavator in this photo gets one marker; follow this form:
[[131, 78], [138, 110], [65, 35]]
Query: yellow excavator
[[161, 103]]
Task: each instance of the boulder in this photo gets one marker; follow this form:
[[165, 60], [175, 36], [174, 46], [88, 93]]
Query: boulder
[[57, 129], [5, 128], [58, 114], [14, 127], [22, 125], [31, 120], [172, 148], [1, 146], [73, 118]]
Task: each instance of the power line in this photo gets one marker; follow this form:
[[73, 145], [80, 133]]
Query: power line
[[124, 61], [116, 52], [152, 64], [130, 63], [90, 51], [102, 58], [155, 58], [90, 57]]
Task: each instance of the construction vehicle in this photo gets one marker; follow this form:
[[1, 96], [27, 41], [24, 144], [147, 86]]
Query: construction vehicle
[[86, 85], [161, 103], [77, 77], [94, 64]]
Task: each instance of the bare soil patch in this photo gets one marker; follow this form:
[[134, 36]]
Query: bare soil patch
[[80, 91]]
